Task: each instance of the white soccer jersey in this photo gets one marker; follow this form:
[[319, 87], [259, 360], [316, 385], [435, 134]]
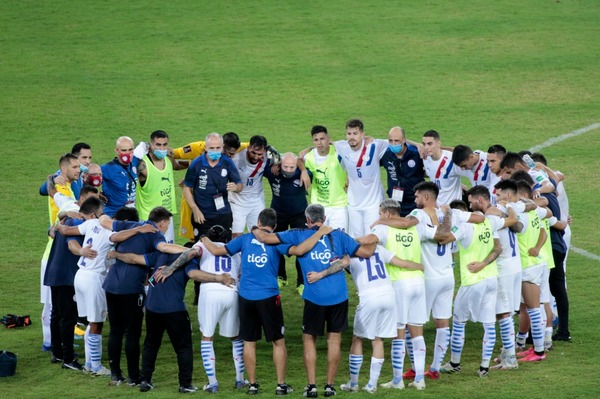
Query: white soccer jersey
[[563, 201], [538, 176], [509, 260], [99, 238], [446, 176], [251, 176], [481, 175], [370, 274], [364, 188], [218, 265]]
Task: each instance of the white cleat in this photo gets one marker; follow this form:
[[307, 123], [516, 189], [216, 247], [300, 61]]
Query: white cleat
[[393, 385], [420, 385], [349, 387]]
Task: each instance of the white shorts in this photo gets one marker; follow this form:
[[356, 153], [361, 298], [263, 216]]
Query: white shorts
[[375, 316], [245, 216], [534, 274], [360, 220], [509, 293], [410, 301], [90, 296], [545, 286], [438, 296], [337, 218], [477, 302], [217, 306]]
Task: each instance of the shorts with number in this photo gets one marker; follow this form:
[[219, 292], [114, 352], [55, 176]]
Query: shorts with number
[[438, 296], [477, 302], [337, 218], [509, 293], [265, 314], [218, 306], [545, 286], [245, 216], [410, 301], [90, 296], [360, 220], [534, 274], [315, 316], [376, 316]]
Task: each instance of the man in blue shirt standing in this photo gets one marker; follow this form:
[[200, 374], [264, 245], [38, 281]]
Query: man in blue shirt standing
[[119, 177]]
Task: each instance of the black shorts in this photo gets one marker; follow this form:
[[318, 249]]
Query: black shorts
[[264, 313], [225, 220], [315, 316]]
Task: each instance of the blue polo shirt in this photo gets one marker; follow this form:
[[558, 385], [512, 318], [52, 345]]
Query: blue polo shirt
[[558, 243], [259, 266], [62, 263], [289, 196], [332, 289], [405, 172], [209, 181], [123, 278], [167, 296], [119, 184]]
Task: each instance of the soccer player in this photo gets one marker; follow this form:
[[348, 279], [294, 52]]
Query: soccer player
[[404, 168], [83, 152], [365, 191], [475, 166], [512, 162], [119, 177]]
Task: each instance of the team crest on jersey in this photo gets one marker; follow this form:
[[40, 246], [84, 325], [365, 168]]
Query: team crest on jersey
[[187, 149], [412, 163], [454, 229], [223, 172]]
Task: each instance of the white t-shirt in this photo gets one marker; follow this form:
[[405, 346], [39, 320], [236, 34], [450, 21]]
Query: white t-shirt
[[370, 275], [218, 265], [365, 189], [446, 176], [99, 238], [251, 176]]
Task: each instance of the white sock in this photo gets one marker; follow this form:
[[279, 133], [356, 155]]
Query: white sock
[[507, 334], [237, 350], [208, 359], [419, 356], [487, 347], [355, 365], [94, 342], [86, 348], [398, 353], [442, 341], [458, 341], [537, 330], [46, 316], [376, 365]]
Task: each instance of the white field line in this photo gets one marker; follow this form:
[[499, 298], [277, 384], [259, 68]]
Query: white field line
[[558, 139]]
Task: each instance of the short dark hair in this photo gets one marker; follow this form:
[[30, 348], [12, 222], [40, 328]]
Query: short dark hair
[[522, 175], [390, 205], [78, 147], [159, 134], [315, 213], [91, 205], [459, 204], [218, 233], [524, 188], [268, 218], [127, 213], [231, 140], [510, 160], [429, 187], [539, 157], [496, 149], [507, 185], [66, 159], [318, 129], [258, 141], [479, 191], [461, 153], [87, 189], [355, 123], [159, 214], [432, 133]]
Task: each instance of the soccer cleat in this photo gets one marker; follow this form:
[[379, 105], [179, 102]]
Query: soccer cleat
[[369, 388], [133, 383], [329, 391], [548, 345], [241, 384], [533, 358], [409, 374], [283, 389], [300, 289], [507, 365], [561, 337], [214, 388], [116, 380], [393, 385], [432, 375], [101, 372], [349, 387], [419, 385], [525, 353], [146, 386], [483, 372], [74, 365], [310, 391], [450, 368], [252, 389], [55, 359], [187, 388]]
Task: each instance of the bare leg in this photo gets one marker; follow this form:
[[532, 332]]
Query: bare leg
[[310, 357], [250, 360], [279, 359], [334, 342]]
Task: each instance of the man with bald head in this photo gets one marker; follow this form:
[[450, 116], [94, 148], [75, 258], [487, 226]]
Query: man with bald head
[[120, 177], [404, 168]]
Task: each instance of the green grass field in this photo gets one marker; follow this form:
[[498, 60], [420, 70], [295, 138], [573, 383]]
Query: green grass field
[[480, 73]]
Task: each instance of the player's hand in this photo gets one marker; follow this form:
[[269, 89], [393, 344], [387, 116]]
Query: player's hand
[[305, 179], [313, 277], [227, 280], [303, 153], [536, 193], [180, 184], [231, 186], [146, 228], [111, 255], [162, 273], [369, 140], [474, 267], [324, 230], [275, 169], [533, 252], [492, 210], [88, 252], [198, 216], [60, 179], [379, 221]]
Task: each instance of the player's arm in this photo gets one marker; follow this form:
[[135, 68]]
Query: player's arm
[[304, 176], [369, 239], [266, 237], [77, 250], [126, 234], [511, 219], [212, 248], [142, 172], [535, 251], [442, 233], [164, 272], [126, 257], [366, 250], [189, 198], [398, 222], [68, 230], [310, 242], [476, 218], [406, 264], [475, 267], [557, 224], [334, 267], [205, 277], [167, 248]]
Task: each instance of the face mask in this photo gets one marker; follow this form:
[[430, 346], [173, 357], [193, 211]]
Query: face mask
[[214, 155], [83, 168], [396, 148], [95, 181], [125, 158], [160, 154], [287, 175]]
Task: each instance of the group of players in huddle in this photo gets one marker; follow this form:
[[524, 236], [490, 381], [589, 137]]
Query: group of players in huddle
[[510, 236]]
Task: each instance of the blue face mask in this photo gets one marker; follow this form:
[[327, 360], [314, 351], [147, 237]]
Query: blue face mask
[[83, 168], [214, 155], [160, 154], [396, 148]]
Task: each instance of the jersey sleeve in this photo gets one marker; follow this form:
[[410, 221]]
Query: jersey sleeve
[[459, 216], [385, 255], [349, 244], [541, 212], [381, 232], [518, 207], [158, 238], [426, 231], [289, 237], [189, 151], [420, 215], [83, 227], [496, 222], [233, 175], [381, 147], [192, 265], [190, 175], [234, 246]]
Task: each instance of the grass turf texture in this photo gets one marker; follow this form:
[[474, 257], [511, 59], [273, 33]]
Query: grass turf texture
[[480, 73]]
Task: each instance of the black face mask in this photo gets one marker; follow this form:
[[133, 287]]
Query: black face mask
[[287, 175]]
